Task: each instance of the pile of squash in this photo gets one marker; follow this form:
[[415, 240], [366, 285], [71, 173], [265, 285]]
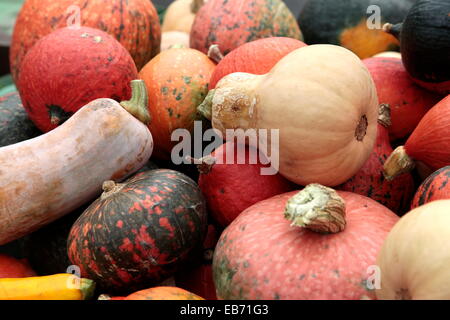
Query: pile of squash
[[349, 200]]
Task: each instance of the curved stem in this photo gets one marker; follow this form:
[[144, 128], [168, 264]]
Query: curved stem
[[397, 163], [138, 104], [204, 164], [384, 115], [394, 29], [317, 208], [205, 108], [109, 188]]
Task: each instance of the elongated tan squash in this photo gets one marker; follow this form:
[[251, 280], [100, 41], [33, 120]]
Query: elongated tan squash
[[46, 177], [61, 286]]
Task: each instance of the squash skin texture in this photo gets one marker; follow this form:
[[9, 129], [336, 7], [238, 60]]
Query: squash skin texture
[[94, 65], [413, 259], [179, 16], [134, 23], [163, 293], [256, 57], [306, 95], [408, 102], [14, 268], [435, 187], [232, 23], [141, 234], [294, 263], [175, 93], [56, 175]]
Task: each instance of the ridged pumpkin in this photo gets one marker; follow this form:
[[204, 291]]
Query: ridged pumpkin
[[429, 143], [425, 44], [408, 102], [231, 23], [15, 126], [177, 82], [229, 187], [435, 187], [369, 181], [134, 23], [140, 232], [163, 293], [80, 65], [256, 57], [273, 251], [327, 128], [346, 23]]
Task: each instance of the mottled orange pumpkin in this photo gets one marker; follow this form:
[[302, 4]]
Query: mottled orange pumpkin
[[177, 82], [163, 293], [134, 23]]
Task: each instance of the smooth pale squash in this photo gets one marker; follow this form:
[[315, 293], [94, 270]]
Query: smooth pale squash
[[163, 293], [174, 39], [414, 258], [180, 15], [322, 100]]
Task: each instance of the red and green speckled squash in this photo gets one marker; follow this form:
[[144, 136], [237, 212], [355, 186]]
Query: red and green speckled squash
[[435, 187], [134, 23], [231, 23], [229, 187], [177, 82], [256, 57], [408, 102], [345, 23], [15, 126], [370, 181], [272, 251], [139, 233], [73, 66], [163, 293], [425, 43]]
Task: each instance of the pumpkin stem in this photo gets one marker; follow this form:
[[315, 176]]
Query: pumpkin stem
[[317, 208], [215, 54], [196, 5], [205, 108], [109, 188], [87, 288], [104, 296], [384, 115], [394, 29], [397, 163], [177, 46], [204, 164], [138, 104]]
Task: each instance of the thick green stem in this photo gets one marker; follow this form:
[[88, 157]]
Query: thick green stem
[[138, 104], [87, 288], [205, 108], [317, 208]]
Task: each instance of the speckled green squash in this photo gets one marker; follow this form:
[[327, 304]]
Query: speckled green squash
[[14, 123]]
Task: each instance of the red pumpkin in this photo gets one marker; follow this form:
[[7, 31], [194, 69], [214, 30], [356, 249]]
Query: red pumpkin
[[13, 268], [134, 23], [177, 82], [370, 181], [230, 188], [73, 66], [256, 57], [429, 143], [139, 233], [232, 23], [408, 101], [435, 187], [199, 279], [263, 255]]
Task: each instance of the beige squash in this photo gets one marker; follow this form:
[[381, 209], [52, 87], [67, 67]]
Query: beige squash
[[180, 15], [415, 256], [324, 103], [51, 175], [388, 54], [170, 39]]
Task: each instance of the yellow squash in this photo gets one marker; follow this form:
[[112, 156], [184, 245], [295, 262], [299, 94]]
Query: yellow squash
[[62, 286]]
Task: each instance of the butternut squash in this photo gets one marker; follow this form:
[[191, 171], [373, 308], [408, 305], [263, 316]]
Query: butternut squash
[[63, 286], [324, 103], [44, 178], [180, 15]]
